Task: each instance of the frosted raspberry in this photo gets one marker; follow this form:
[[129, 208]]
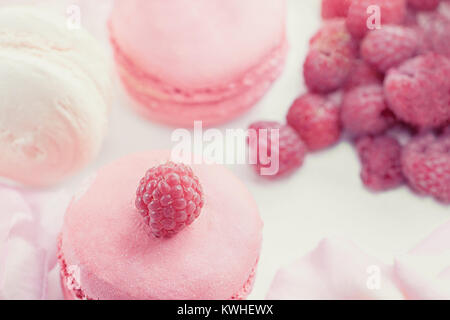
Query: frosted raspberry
[[389, 46], [410, 17], [330, 58], [444, 9], [418, 91], [446, 130], [335, 8], [391, 12], [362, 74], [334, 32], [316, 120], [424, 4], [426, 165], [381, 165], [170, 198], [364, 111], [291, 149], [435, 28]]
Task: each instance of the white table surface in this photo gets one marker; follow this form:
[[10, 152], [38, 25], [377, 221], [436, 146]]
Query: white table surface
[[324, 199]]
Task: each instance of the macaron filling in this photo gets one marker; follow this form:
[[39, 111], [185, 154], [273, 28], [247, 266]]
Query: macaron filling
[[146, 83], [162, 102]]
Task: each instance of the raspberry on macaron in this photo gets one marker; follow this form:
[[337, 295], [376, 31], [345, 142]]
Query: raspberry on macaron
[[169, 198]]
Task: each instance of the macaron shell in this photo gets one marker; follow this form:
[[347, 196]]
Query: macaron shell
[[200, 44], [170, 106], [211, 259]]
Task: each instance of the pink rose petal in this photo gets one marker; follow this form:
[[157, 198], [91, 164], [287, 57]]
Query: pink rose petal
[[29, 223], [337, 269]]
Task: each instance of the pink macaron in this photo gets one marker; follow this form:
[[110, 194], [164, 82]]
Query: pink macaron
[[112, 248], [207, 60]]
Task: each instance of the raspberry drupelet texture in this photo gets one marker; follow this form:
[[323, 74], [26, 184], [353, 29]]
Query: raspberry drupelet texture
[[411, 17], [288, 150], [426, 165], [330, 58], [364, 111], [316, 119], [444, 9], [389, 46], [418, 91], [362, 74], [358, 19], [424, 4], [380, 160], [435, 29], [169, 198], [335, 8]]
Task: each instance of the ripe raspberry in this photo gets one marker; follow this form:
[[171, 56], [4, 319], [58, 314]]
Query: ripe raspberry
[[426, 165], [170, 198], [316, 120], [335, 8], [410, 17], [444, 9], [424, 4], [389, 46], [418, 91], [330, 58], [446, 130], [364, 111], [381, 165], [362, 74], [289, 150], [435, 28], [359, 20]]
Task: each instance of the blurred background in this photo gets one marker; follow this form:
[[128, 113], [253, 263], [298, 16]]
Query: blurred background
[[324, 199]]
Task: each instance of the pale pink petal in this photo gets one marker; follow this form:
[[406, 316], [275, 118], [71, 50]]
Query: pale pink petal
[[25, 271], [30, 223], [336, 269], [420, 277], [11, 204], [23, 263], [437, 242], [425, 272], [50, 207]]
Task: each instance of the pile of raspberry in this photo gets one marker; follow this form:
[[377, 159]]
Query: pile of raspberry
[[376, 71]]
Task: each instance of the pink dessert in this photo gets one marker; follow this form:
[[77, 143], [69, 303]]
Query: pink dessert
[[184, 68], [119, 243]]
